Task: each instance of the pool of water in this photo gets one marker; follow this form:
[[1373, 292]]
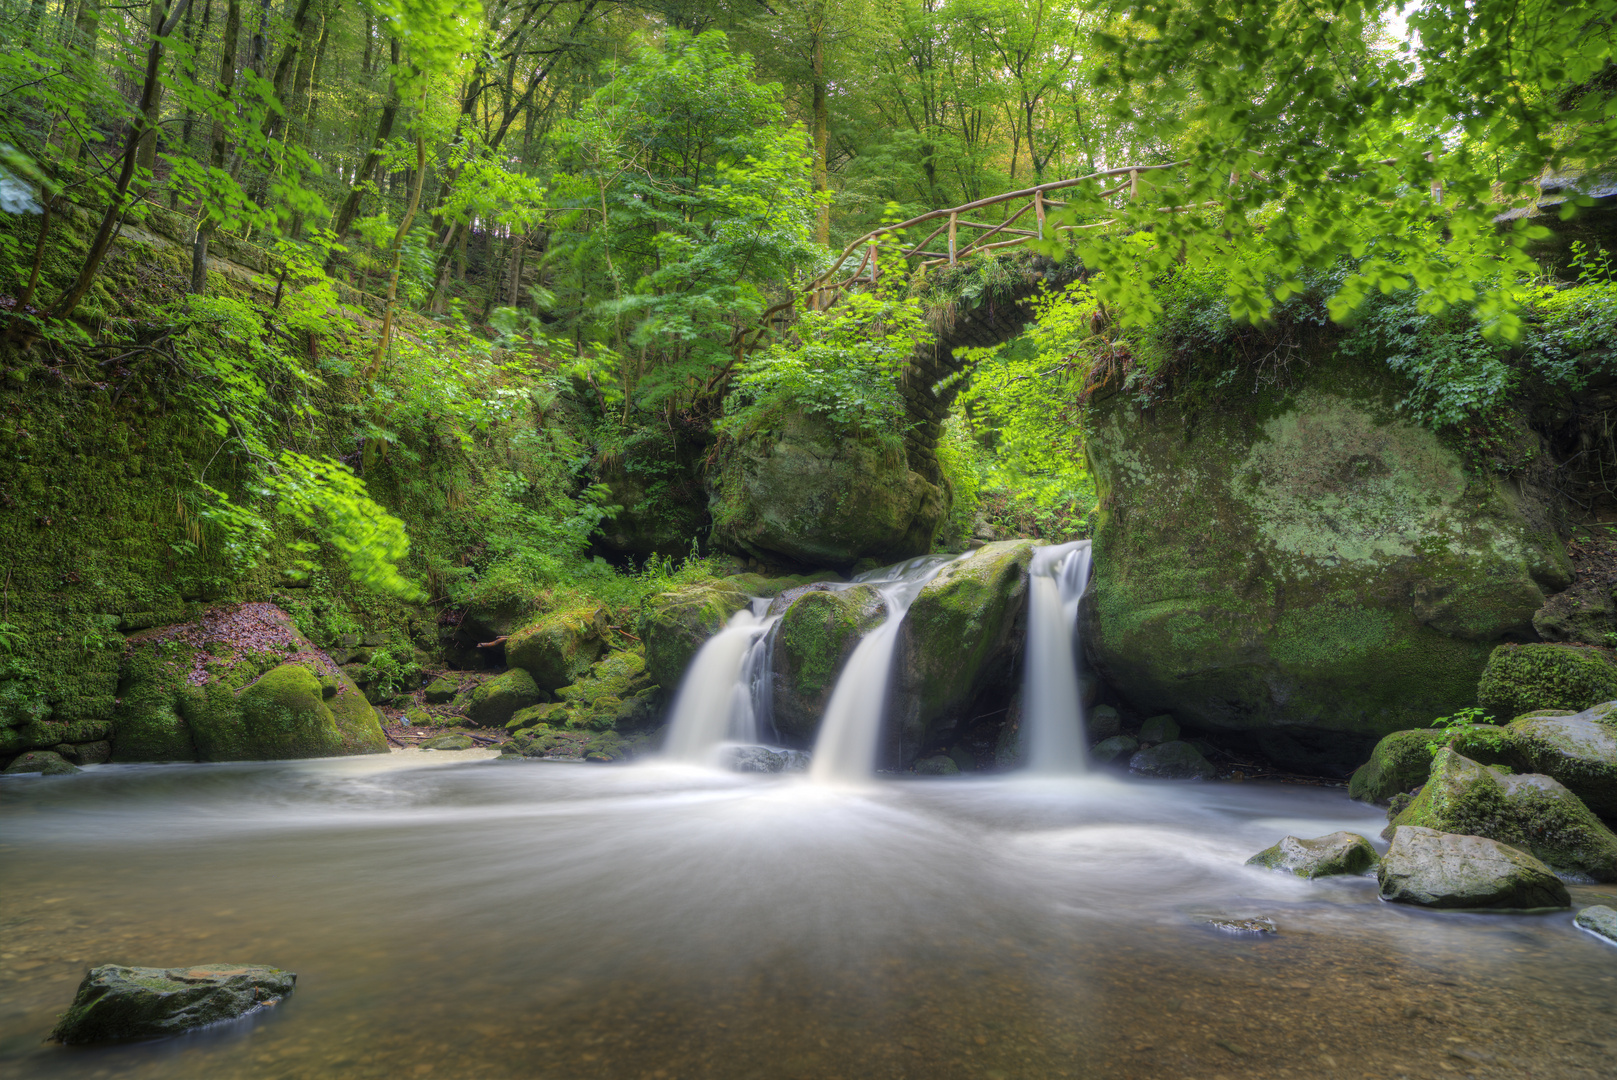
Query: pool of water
[[450, 916]]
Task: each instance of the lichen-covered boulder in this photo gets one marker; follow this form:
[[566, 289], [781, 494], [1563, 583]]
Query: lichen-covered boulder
[[1402, 761], [1324, 856], [47, 762], [1528, 811], [1445, 870], [116, 1004], [1579, 750], [616, 694], [959, 641], [674, 625], [90, 753], [558, 647], [1173, 760], [1527, 678], [1306, 563], [497, 700], [812, 642], [241, 683], [810, 493], [441, 691], [1599, 920]]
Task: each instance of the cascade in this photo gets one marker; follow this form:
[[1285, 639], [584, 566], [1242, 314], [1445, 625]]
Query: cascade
[[1052, 708], [718, 698], [845, 751]]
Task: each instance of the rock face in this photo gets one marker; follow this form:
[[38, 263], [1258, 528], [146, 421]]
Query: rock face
[[1530, 812], [1442, 870], [962, 638], [1580, 751], [559, 647], [1527, 678], [674, 625], [813, 640], [1402, 761], [1305, 564], [239, 684], [810, 494], [1338, 853], [120, 1003]]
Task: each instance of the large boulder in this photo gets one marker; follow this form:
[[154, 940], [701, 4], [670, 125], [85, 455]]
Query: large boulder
[[502, 697], [617, 693], [809, 492], [674, 625], [814, 638], [1402, 761], [1579, 750], [121, 1003], [961, 639], [241, 683], [1443, 870], [558, 647], [1530, 812], [1527, 678], [1324, 856], [1306, 564]]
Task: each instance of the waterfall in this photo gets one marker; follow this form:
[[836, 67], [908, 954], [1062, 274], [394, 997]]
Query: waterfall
[[1052, 708], [845, 751], [716, 698]]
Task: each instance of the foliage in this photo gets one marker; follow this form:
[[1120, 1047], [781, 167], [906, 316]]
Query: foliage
[[1464, 718], [389, 674]]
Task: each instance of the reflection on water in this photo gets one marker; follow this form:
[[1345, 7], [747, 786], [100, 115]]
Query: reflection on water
[[455, 917]]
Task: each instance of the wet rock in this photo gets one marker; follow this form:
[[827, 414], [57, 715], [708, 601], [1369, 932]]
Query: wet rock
[[1237, 924], [674, 625], [1528, 811], [554, 712], [1524, 678], [1109, 750], [1324, 856], [1579, 750], [558, 648], [1159, 729], [1444, 870], [605, 746], [120, 1003], [813, 641], [498, 699], [1401, 761], [1599, 920], [441, 691], [616, 693], [449, 742], [760, 585], [936, 765], [1104, 723], [90, 753], [1176, 760], [764, 759], [48, 762]]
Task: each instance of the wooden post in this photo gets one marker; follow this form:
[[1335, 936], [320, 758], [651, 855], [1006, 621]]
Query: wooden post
[[1038, 209], [954, 221], [1134, 183], [875, 267]]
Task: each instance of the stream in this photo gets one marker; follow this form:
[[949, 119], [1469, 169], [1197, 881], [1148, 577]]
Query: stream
[[452, 916]]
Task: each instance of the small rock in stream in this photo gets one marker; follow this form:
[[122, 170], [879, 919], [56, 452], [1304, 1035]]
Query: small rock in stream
[[48, 762], [762, 759], [1238, 924], [117, 1003], [1338, 853], [1175, 760], [449, 742], [1600, 920]]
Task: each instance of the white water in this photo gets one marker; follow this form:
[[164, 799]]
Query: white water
[[1052, 707], [845, 751], [714, 704]]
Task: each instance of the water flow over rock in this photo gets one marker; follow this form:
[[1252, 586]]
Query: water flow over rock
[[845, 751], [1054, 715], [715, 703]]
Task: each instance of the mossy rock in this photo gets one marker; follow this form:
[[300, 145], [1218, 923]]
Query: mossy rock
[[617, 693], [812, 642], [674, 626], [936, 765], [1449, 870], [1402, 761], [116, 1003], [1527, 811], [605, 746], [1579, 750], [1527, 678], [441, 691], [809, 492], [760, 585], [1324, 856], [554, 712], [45, 762], [1173, 761], [1305, 564], [494, 702], [559, 647], [453, 741]]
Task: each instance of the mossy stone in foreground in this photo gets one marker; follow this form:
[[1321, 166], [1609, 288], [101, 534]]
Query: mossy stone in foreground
[[674, 625], [1445, 870], [1531, 812], [1600, 921], [1325, 856], [1527, 678], [120, 1003], [1579, 750], [500, 698], [559, 647]]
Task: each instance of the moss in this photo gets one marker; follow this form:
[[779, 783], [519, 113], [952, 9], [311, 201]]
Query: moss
[[1527, 678], [814, 639], [674, 625], [494, 702], [559, 646]]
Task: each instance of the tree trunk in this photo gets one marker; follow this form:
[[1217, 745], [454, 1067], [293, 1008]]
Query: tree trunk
[[216, 144], [822, 137], [384, 131], [152, 110]]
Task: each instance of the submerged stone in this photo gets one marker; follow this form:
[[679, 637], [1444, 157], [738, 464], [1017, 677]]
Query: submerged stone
[[1579, 750], [48, 762], [936, 765], [1524, 678], [1174, 760], [764, 759], [1599, 920], [1109, 750], [1528, 811], [450, 742], [1444, 870], [1237, 924], [1324, 856], [120, 1003]]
